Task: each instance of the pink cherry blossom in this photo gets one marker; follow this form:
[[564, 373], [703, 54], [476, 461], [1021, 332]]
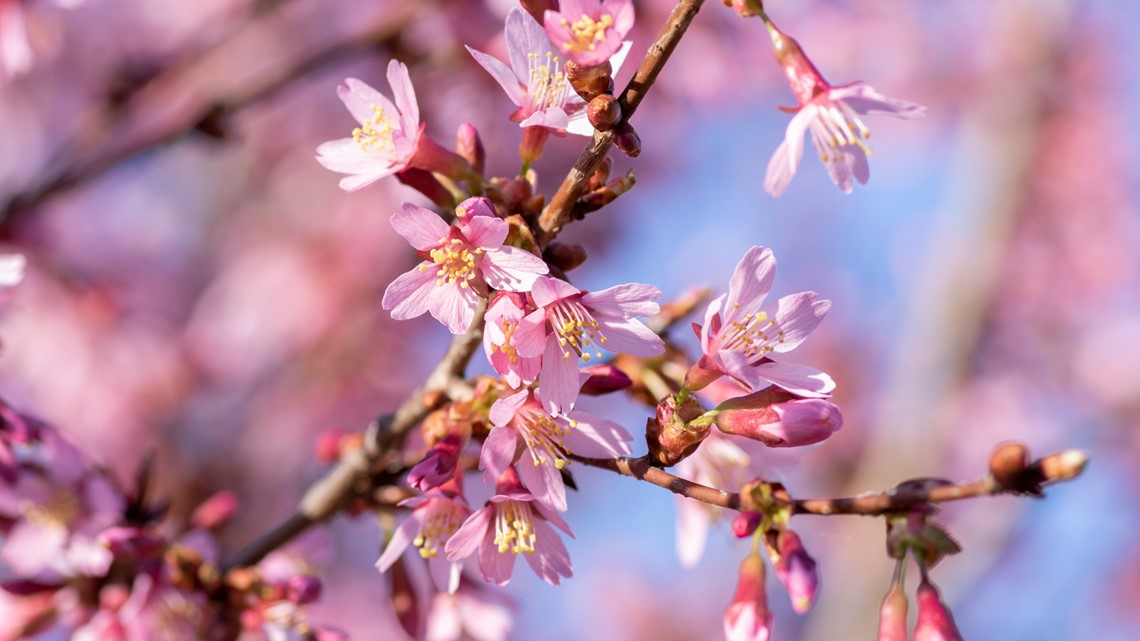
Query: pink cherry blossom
[[831, 115], [589, 32], [473, 612], [503, 317], [571, 323], [738, 338], [434, 519], [461, 262], [512, 523], [778, 418], [747, 617], [390, 137], [548, 441]]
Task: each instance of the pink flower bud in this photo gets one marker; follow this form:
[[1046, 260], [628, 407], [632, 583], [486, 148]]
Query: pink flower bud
[[627, 140], [779, 419], [438, 464], [935, 622], [303, 588], [892, 614], [469, 145], [745, 524], [603, 112], [747, 617], [604, 379], [215, 511], [427, 184], [797, 571]]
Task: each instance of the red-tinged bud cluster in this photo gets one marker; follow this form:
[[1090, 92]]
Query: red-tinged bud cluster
[[672, 435], [745, 524], [627, 140], [935, 622], [598, 179], [590, 82]]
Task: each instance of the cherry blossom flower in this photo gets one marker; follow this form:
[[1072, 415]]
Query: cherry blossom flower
[[831, 115], [511, 523], [589, 32], [536, 83], [472, 612], [390, 137], [747, 617], [548, 440], [737, 337], [570, 323], [461, 261], [434, 518], [796, 569], [502, 320]]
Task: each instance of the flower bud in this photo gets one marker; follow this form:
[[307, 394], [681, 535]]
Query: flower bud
[[590, 82], [627, 140], [746, 8], [604, 112], [796, 570], [215, 511], [604, 379], [670, 436], [439, 463], [892, 614], [778, 418], [469, 145], [747, 617], [1008, 464], [302, 589], [1063, 466], [935, 622], [745, 524], [595, 200], [564, 256]]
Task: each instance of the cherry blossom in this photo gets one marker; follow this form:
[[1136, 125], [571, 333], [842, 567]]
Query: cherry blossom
[[747, 617], [434, 518], [503, 317], [589, 32]]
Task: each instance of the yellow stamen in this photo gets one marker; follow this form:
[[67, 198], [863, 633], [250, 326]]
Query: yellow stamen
[[587, 32], [376, 134]]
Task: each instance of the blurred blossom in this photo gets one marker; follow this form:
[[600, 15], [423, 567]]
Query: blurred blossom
[[589, 32]]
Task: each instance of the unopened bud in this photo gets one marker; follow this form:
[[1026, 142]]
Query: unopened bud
[[328, 445], [564, 256], [797, 570], [935, 621], [215, 511], [746, 8], [515, 192], [439, 464], [590, 82], [604, 379], [745, 524], [604, 112], [302, 589], [601, 174], [476, 206], [1063, 466], [892, 614], [469, 145], [627, 140], [778, 418], [670, 435], [1008, 464], [747, 615]]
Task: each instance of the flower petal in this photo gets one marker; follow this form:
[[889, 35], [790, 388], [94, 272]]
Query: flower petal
[[797, 315], [502, 75], [550, 559], [631, 337], [624, 301], [595, 437], [466, 539], [558, 381], [498, 452], [408, 295], [401, 537], [454, 306], [422, 228], [543, 480], [404, 94], [360, 98], [751, 281], [511, 269], [797, 379]]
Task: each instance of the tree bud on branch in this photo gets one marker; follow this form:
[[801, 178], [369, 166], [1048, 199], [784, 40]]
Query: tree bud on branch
[[604, 112], [670, 436], [590, 82]]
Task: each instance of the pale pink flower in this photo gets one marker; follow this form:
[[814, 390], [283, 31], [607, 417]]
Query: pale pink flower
[[434, 519], [513, 523], [472, 612], [831, 115], [548, 441], [461, 262], [589, 32], [503, 317], [11, 272], [738, 338], [390, 137], [571, 324], [747, 617]]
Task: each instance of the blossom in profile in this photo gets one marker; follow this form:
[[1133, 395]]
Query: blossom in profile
[[777, 418], [589, 32], [935, 621], [434, 518], [473, 612], [390, 137], [738, 338], [547, 443], [460, 263], [512, 523], [571, 324], [831, 114]]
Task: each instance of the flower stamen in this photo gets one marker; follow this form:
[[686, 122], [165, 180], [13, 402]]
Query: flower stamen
[[514, 528]]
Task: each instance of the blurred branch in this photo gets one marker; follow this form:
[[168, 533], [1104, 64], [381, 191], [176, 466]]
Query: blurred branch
[[201, 93], [558, 212]]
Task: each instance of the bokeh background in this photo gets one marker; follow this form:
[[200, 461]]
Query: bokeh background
[[199, 288]]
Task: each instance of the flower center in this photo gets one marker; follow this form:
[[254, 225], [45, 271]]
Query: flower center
[[576, 329], [442, 520], [545, 436], [507, 347], [514, 527], [839, 126], [58, 510], [547, 86], [376, 134], [456, 260], [755, 335], [587, 32]]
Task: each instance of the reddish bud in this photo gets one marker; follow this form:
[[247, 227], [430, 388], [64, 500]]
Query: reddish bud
[[538, 8], [590, 82], [797, 570], [533, 139], [1008, 464], [627, 140], [469, 145], [604, 112], [747, 617], [670, 436], [604, 379], [935, 622], [778, 418], [564, 256], [595, 200], [215, 511], [745, 524], [892, 614], [302, 589], [440, 461]]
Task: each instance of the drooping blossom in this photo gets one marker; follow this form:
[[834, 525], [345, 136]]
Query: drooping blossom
[[796, 569], [571, 324], [502, 320], [589, 32], [390, 137], [513, 522], [738, 338], [892, 613], [747, 617], [473, 612], [831, 115], [435, 516], [547, 441], [935, 621], [536, 83], [460, 262]]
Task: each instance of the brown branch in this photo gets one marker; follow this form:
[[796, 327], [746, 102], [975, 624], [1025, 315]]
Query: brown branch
[[558, 212]]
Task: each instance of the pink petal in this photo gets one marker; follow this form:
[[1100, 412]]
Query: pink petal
[[502, 75], [422, 228], [401, 537], [624, 301], [498, 452], [558, 381], [486, 232], [511, 269], [631, 337], [548, 289], [444, 574], [404, 94], [495, 566], [359, 97], [505, 408], [30, 548], [787, 158], [408, 295], [554, 118], [595, 437], [553, 517], [550, 558], [454, 306], [797, 379], [865, 100], [530, 335], [544, 481], [751, 281], [797, 315], [525, 36], [466, 539]]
